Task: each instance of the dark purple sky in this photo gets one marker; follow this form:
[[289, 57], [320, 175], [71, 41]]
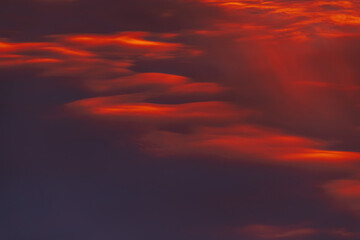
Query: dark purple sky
[[180, 119]]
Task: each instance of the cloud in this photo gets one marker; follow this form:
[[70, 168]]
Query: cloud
[[156, 83], [100, 17], [345, 192], [292, 20], [155, 80], [126, 45], [276, 232], [133, 44], [133, 108], [248, 143], [251, 104], [263, 231], [103, 65], [92, 57]]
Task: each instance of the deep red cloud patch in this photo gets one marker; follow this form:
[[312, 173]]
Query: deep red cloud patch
[[346, 193]]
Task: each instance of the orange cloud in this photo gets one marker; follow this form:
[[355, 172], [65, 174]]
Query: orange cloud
[[13, 54], [101, 63], [16, 47], [68, 51], [136, 39], [77, 49], [84, 57], [134, 108], [248, 142], [134, 42], [296, 20]]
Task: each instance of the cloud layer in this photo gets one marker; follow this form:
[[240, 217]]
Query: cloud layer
[[239, 118]]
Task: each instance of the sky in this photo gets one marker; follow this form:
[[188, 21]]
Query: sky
[[180, 119]]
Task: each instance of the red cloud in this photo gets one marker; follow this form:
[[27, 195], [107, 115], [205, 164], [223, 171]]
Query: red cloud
[[130, 43], [134, 108], [296, 20], [197, 88], [101, 62], [135, 39], [276, 232], [127, 46], [140, 79], [346, 193], [248, 142], [262, 231], [159, 83]]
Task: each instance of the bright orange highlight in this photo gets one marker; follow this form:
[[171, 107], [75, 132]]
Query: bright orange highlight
[[135, 39], [68, 51], [135, 109], [323, 155], [209, 111]]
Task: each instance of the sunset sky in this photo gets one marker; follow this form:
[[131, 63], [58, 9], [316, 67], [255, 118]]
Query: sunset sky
[[180, 119]]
